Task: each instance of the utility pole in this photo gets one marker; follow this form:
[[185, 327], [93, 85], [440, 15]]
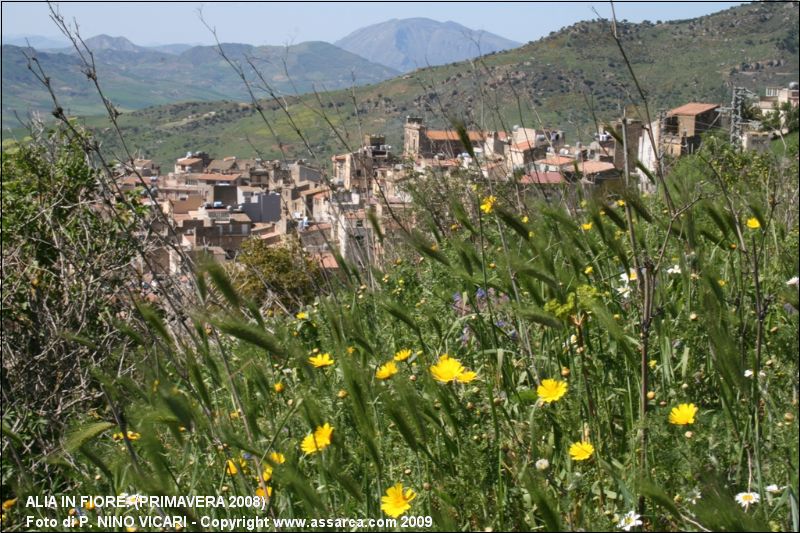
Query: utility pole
[[739, 98]]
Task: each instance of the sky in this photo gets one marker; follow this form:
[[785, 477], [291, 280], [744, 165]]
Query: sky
[[281, 23]]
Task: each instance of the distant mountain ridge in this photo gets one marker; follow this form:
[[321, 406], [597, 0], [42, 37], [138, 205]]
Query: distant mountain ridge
[[135, 77], [409, 44], [567, 80]]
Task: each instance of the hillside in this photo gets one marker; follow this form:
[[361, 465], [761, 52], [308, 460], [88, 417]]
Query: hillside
[[409, 44], [566, 77], [135, 77]]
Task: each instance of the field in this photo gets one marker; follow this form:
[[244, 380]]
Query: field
[[511, 367]]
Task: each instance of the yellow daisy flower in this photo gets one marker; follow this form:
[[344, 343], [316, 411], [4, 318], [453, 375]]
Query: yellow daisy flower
[[279, 387], [402, 355], [683, 414], [488, 204], [397, 501], [302, 315], [448, 369], [551, 390], [322, 360], [277, 457], [581, 451], [753, 223], [231, 468], [386, 371], [260, 492], [586, 226], [318, 440]]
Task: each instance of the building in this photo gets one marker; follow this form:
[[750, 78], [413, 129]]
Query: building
[[420, 142], [683, 126]]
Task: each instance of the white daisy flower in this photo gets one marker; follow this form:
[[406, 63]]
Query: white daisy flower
[[631, 519], [542, 464], [794, 281], [629, 276], [748, 373], [746, 499], [773, 489], [625, 291], [674, 270]]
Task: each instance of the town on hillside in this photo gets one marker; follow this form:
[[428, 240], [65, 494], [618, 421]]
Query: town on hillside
[[213, 205]]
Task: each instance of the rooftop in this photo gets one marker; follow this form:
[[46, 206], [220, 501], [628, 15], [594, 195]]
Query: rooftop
[[447, 135], [557, 160], [543, 178], [692, 109]]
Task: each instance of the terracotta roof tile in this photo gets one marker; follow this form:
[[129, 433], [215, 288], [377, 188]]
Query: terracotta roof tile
[[557, 160], [446, 135], [691, 109], [543, 178]]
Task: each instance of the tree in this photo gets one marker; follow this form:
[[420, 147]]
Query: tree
[[67, 252], [282, 273]]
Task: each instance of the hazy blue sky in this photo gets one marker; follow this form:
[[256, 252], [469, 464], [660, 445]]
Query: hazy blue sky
[[293, 22]]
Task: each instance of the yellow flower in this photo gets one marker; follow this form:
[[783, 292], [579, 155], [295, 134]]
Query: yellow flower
[[321, 360], [488, 204], [551, 390], [231, 468], [277, 457], [621, 203], [8, 504], [260, 492], [652, 363], [132, 435], [721, 282], [525, 219], [266, 475], [350, 350], [580, 451], [402, 355], [279, 387], [466, 376], [588, 270], [753, 223], [386, 371], [89, 505], [318, 440], [397, 501], [302, 315], [342, 394], [447, 370], [587, 226], [683, 414], [235, 415]]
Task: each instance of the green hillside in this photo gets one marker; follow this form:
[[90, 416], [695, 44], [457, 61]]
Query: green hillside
[[136, 77], [566, 78]]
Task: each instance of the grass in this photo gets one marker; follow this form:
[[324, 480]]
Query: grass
[[517, 295]]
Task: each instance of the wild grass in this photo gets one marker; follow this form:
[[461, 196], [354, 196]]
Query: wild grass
[[517, 298]]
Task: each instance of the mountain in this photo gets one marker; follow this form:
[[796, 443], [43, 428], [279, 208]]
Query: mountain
[[567, 79], [135, 77], [39, 42], [106, 42], [177, 48], [408, 44]]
